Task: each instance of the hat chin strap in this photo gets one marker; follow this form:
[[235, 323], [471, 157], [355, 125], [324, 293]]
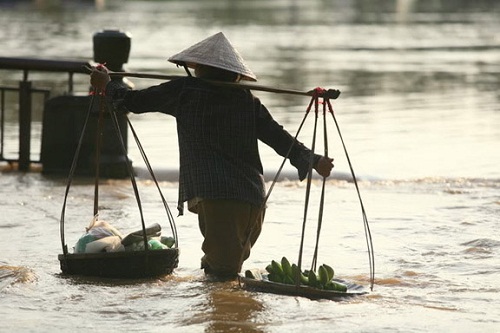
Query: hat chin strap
[[187, 70]]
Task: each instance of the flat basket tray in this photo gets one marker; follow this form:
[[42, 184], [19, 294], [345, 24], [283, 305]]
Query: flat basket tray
[[264, 285], [133, 264]]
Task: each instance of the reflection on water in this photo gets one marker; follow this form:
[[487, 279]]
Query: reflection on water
[[228, 308], [13, 274]]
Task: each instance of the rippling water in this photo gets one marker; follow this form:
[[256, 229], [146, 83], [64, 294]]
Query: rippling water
[[420, 115]]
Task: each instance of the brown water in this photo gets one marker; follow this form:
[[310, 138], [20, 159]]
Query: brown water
[[420, 115]]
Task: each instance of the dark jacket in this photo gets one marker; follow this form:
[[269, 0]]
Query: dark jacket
[[218, 131]]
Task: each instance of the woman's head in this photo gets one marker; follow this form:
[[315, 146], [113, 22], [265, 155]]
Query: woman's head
[[216, 74]]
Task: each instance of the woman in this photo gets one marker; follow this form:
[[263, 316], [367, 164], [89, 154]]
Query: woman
[[218, 127]]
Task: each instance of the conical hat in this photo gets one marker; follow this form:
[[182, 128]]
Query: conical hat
[[215, 51]]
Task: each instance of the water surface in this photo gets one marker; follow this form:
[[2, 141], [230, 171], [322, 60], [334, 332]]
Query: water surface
[[419, 113]]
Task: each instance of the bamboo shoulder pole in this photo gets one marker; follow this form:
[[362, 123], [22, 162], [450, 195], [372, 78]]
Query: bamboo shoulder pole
[[325, 93]]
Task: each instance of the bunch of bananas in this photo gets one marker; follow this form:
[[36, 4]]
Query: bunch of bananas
[[284, 272]]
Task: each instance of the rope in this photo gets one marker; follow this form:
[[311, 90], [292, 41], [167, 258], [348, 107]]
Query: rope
[[275, 180], [309, 182], [368, 236], [317, 93], [150, 169], [98, 144], [71, 174], [322, 198], [103, 107], [132, 177]]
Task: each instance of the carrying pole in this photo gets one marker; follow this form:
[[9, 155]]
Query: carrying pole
[[326, 93], [330, 93]]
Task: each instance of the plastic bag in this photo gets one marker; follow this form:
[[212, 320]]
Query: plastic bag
[[106, 244], [95, 231], [153, 244], [83, 241], [104, 227]]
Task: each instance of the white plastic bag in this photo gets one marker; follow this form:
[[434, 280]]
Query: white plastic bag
[[106, 244], [98, 230]]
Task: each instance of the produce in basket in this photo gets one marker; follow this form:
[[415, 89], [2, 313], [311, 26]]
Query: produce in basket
[[284, 272]]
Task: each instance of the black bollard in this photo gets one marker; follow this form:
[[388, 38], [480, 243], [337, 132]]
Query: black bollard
[[64, 119], [112, 47]]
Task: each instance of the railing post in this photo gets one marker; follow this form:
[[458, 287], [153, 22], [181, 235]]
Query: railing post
[[24, 125], [2, 120]]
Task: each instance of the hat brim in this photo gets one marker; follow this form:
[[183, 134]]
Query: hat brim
[[215, 51]]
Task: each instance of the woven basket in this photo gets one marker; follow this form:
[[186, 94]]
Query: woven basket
[[266, 286], [133, 264]]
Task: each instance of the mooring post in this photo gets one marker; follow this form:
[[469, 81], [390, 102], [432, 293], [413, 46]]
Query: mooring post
[[24, 125]]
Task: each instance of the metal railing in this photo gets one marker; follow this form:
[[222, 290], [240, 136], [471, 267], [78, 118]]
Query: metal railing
[[25, 92]]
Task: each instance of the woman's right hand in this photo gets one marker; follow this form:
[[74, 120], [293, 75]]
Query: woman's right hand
[[99, 78], [324, 166]]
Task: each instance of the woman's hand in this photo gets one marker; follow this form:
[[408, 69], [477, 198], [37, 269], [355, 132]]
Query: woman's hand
[[99, 78], [324, 166]]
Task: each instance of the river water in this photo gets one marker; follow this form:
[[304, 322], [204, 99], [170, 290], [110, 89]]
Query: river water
[[420, 116]]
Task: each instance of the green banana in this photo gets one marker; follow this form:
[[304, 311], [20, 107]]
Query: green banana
[[323, 275], [296, 274], [330, 271], [287, 268], [288, 280], [288, 273], [313, 279], [335, 286], [277, 269], [340, 287], [304, 279], [274, 278]]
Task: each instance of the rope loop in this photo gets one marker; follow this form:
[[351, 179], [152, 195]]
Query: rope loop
[[318, 92]]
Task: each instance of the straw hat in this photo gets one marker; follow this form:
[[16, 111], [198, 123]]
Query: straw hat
[[215, 51]]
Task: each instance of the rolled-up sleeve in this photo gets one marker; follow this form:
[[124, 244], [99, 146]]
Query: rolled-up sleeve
[[274, 135], [159, 98]]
